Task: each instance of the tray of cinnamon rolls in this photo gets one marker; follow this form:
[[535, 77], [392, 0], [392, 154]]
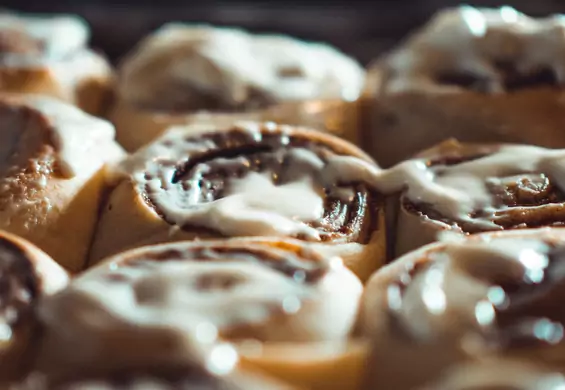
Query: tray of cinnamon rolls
[[226, 210]]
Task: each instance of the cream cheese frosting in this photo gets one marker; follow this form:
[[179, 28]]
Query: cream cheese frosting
[[476, 43], [275, 182], [472, 188], [205, 292], [464, 299], [70, 131], [180, 64], [57, 36]]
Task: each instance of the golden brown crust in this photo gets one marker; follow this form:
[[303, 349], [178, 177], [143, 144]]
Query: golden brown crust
[[51, 185]]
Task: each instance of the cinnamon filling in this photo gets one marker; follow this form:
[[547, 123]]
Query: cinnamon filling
[[205, 177], [18, 290], [527, 200], [299, 266], [201, 281], [15, 41], [510, 79]]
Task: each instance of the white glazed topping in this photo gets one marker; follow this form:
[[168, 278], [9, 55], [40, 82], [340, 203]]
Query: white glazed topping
[[458, 292], [457, 191], [471, 41], [253, 206], [232, 64], [58, 35], [463, 300], [74, 133], [218, 289], [282, 192]]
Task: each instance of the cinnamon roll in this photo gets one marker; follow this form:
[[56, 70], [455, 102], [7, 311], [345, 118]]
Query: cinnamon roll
[[470, 188], [248, 179], [26, 276], [479, 75], [499, 374], [184, 74], [267, 304], [51, 177], [496, 295], [48, 55]]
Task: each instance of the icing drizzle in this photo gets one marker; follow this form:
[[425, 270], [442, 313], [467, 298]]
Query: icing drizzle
[[256, 180]]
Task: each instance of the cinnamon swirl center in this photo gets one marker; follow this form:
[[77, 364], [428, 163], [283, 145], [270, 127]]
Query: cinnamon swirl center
[[273, 182], [511, 187], [243, 291]]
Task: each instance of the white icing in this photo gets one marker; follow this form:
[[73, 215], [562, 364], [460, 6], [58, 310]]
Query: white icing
[[224, 296], [457, 293], [74, 133], [61, 35], [83, 65], [471, 40], [231, 63], [458, 190], [253, 205]]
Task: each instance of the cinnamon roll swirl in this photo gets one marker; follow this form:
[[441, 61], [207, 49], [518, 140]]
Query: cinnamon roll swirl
[[479, 75], [248, 179], [48, 55], [496, 295], [273, 305], [51, 177], [26, 276], [470, 188], [184, 74]]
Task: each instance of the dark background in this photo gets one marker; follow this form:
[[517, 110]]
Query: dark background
[[361, 28]]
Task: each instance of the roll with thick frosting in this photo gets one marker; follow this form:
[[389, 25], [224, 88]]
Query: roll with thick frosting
[[51, 174], [49, 55], [271, 305], [496, 295], [26, 275], [183, 74], [476, 74], [250, 179], [471, 188]]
